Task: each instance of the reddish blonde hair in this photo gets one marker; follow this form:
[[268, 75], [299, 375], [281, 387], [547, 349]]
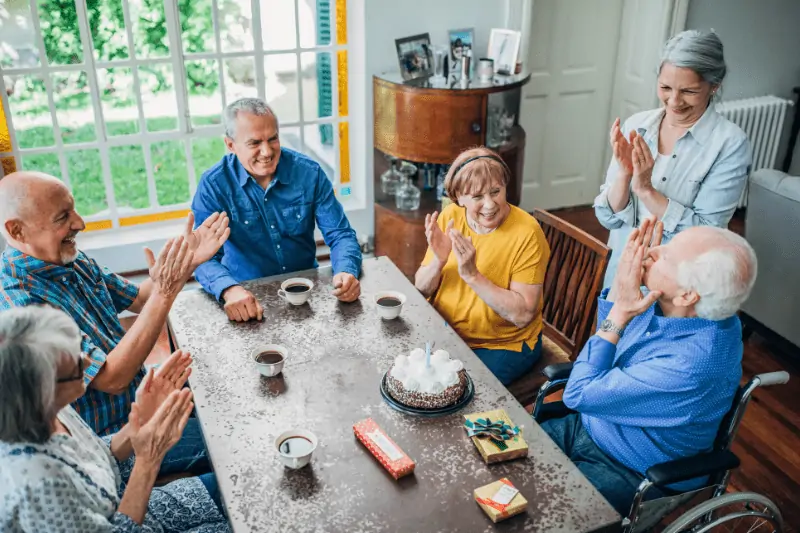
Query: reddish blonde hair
[[467, 178]]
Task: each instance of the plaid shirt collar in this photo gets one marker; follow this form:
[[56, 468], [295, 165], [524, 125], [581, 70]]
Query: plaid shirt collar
[[36, 267]]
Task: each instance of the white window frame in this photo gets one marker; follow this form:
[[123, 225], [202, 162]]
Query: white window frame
[[119, 246]]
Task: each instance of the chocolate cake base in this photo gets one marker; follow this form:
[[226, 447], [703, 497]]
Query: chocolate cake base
[[423, 400]]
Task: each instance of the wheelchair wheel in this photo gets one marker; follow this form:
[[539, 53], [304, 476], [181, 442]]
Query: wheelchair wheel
[[747, 512]]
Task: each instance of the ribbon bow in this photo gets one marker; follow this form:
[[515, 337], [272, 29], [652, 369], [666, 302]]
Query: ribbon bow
[[497, 432]]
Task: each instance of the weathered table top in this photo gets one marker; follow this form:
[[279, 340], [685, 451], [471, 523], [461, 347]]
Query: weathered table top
[[338, 354]]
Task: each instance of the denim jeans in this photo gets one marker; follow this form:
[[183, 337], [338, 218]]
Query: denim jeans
[[616, 482], [189, 454], [508, 365], [209, 481]]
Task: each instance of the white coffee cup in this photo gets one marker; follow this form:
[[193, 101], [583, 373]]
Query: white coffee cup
[[296, 298], [295, 447], [389, 312], [269, 369]]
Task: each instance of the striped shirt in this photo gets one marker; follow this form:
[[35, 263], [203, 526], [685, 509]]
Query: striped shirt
[[92, 296]]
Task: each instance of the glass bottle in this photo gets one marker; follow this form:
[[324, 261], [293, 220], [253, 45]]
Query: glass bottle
[[407, 196], [440, 182], [392, 178]]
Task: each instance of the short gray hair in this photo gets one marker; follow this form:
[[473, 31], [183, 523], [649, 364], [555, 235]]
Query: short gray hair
[[13, 195], [254, 106], [32, 341], [723, 277], [698, 50]]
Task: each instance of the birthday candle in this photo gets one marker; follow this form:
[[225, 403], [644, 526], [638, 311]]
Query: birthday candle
[[427, 354]]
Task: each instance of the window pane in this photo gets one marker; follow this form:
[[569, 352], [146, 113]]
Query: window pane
[[30, 112], [17, 39], [290, 138], [317, 85], [150, 38], [319, 147], [169, 169], [86, 181], [74, 110], [235, 25], [107, 25], [62, 39], [206, 151], [129, 175], [280, 73], [315, 23], [197, 27], [47, 163], [117, 95], [240, 78], [277, 24], [158, 97], [205, 101]]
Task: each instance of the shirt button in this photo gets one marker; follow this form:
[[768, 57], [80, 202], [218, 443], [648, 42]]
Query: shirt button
[[647, 334], [246, 222], [272, 226], [284, 268], [298, 216], [279, 247], [664, 178], [674, 156]]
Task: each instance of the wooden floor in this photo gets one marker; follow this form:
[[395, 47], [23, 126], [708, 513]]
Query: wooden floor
[[768, 443]]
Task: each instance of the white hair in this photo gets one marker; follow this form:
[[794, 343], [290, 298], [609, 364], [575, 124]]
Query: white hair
[[254, 106], [698, 50], [723, 277], [32, 342], [12, 198]]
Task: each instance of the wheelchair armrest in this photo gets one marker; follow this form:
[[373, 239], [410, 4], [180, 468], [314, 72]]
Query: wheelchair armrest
[[557, 371], [550, 410], [679, 470]]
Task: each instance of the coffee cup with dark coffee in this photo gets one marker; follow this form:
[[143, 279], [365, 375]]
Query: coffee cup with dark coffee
[[269, 359], [295, 447], [389, 304], [296, 290]]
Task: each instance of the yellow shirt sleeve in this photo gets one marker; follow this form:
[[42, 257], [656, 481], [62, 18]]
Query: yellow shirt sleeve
[[530, 265]]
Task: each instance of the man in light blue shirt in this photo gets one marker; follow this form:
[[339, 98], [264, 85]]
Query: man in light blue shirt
[[660, 374], [273, 196]]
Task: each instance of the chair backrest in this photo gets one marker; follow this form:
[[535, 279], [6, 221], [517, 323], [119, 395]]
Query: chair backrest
[[573, 281]]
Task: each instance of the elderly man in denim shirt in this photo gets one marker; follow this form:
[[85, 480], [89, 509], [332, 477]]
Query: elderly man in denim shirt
[[660, 374], [273, 196]]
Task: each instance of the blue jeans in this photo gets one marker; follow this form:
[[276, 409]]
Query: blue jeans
[[209, 481], [508, 365], [189, 454], [616, 482]]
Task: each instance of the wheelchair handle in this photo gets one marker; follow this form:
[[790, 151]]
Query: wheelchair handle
[[773, 378]]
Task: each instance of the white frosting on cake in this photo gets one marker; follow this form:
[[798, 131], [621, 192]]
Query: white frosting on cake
[[415, 376]]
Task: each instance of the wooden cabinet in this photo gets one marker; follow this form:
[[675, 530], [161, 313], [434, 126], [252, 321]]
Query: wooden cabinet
[[426, 123]]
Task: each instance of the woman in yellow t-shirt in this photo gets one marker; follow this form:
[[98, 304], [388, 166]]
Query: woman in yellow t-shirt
[[485, 266]]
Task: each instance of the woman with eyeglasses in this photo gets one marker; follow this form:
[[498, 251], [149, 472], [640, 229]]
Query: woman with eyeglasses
[[56, 474]]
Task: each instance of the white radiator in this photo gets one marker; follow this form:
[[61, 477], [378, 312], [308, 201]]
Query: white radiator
[[761, 118]]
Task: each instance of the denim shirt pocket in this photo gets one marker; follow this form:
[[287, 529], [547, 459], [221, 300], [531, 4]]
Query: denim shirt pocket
[[296, 218], [247, 222]]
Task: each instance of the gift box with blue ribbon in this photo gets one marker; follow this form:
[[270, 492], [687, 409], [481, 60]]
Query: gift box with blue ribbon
[[496, 436]]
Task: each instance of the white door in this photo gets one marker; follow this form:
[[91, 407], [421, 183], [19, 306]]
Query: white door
[[567, 108]]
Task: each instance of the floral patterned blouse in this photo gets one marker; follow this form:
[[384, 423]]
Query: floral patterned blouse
[[72, 483]]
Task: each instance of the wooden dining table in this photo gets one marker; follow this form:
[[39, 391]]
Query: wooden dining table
[[337, 355]]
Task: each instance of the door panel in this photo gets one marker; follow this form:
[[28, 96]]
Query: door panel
[[565, 107]]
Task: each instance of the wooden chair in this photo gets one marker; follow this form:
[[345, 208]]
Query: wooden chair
[[571, 285]]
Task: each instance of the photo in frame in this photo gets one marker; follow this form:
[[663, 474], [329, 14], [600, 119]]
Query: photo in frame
[[414, 56], [460, 42], [504, 50]]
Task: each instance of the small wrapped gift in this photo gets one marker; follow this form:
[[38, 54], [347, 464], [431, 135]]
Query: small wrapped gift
[[495, 436], [500, 500], [383, 448]]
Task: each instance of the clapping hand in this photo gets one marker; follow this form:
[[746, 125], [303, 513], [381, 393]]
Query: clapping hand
[[438, 241], [626, 292], [622, 149], [159, 384], [173, 266], [152, 440], [464, 251], [643, 163], [208, 237]]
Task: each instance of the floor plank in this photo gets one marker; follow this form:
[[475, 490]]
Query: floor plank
[[768, 442]]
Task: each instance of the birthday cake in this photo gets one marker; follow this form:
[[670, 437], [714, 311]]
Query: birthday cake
[[418, 382]]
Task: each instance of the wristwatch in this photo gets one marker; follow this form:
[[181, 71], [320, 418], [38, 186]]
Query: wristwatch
[[608, 325]]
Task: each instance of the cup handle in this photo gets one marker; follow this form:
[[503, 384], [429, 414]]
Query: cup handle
[[282, 294]]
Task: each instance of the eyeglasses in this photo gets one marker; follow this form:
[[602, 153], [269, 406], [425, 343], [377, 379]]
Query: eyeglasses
[[78, 374]]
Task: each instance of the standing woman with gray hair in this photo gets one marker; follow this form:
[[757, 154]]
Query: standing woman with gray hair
[[56, 474], [683, 162]]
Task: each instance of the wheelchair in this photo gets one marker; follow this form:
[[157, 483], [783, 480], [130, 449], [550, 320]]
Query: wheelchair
[[718, 511]]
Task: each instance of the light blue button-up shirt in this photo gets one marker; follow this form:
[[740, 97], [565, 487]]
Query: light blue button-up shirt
[[703, 180], [272, 230], [661, 392]]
